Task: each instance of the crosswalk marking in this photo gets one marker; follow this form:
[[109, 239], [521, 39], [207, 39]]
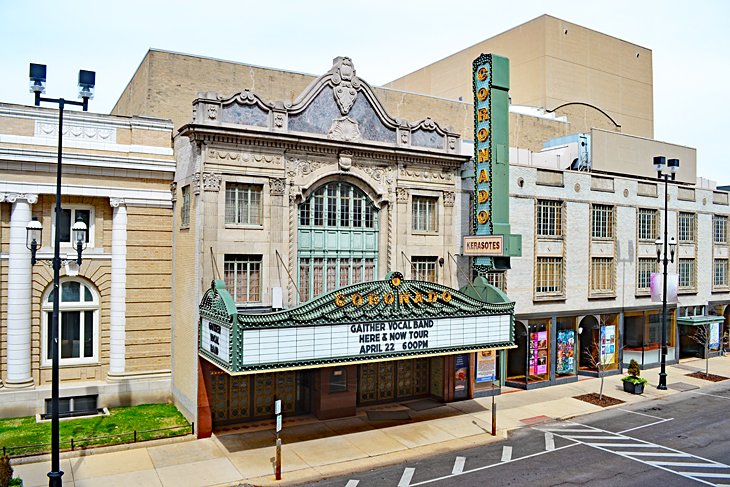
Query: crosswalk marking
[[405, 480], [506, 453], [549, 442], [352, 483], [657, 456], [458, 465]]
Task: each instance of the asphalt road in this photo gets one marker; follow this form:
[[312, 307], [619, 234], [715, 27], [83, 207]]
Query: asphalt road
[[678, 441]]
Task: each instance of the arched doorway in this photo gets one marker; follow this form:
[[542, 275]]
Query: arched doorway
[[337, 239], [588, 337]]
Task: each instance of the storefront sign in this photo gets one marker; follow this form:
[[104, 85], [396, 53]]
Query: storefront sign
[[365, 340], [482, 86], [487, 245], [486, 366], [608, 344], [215, 339], [566, 352]]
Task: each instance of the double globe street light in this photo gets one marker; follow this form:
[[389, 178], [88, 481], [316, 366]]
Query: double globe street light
[[672, 166], [87, 81]]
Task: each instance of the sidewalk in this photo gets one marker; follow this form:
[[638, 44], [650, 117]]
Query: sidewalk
[[314, 450]]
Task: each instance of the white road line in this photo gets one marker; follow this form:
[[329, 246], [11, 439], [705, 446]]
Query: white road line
[[458, 465], [506, 453], [405, 480], [597, 437], [646, 425], [566, 430], [625, 445], [641, 414], [686, 464], [708, 475], [549, 442], [352, 483], [651, 454]]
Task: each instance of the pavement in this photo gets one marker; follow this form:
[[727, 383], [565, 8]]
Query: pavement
[[313, 450]]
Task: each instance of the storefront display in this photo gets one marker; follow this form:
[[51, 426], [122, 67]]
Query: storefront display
[[565, 363], [608, 344], [461, 376], [486, 366], [539, 353]]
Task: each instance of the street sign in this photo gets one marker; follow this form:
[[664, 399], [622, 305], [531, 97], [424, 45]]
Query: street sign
[[277, 406]]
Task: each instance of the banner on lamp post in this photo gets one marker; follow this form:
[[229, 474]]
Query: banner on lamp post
[[657, 285]]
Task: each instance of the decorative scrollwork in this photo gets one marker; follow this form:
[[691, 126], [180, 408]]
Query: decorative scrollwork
[[276, 186]]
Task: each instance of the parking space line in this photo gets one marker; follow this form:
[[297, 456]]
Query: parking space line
[[458, 465], [641, 414], [549, 441], [711, 395], [405, 480], [506, 453]]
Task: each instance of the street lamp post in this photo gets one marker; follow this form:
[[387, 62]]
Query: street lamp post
[[33, 241], [661, 255]]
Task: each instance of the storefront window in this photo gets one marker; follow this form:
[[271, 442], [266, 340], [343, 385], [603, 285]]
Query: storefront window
[[539, 355], [642, 336], [565, 362]]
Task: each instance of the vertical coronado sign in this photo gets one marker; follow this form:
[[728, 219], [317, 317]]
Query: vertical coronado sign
[[483, 150]]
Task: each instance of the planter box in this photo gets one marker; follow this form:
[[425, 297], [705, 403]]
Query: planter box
[[632, 388]]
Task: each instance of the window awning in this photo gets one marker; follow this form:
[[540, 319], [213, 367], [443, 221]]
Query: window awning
[[699, 320]]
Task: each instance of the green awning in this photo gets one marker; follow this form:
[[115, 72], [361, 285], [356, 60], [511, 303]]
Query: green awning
[[699, 320]]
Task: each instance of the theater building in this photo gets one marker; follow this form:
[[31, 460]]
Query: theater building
[[115, 308]]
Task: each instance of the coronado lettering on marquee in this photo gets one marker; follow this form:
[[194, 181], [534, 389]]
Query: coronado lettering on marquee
[[372, 299], [482, 150]]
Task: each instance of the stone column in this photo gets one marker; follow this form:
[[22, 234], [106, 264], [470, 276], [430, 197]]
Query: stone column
[[118, 301], [20, 284]]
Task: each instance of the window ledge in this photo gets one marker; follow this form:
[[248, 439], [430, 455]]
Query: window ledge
[[602, 295], [70, 365], [424, 232], [247, 226], [687, 290], [549, 297]]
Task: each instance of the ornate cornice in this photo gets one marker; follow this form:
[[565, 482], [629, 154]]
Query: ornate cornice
[[13, 197]]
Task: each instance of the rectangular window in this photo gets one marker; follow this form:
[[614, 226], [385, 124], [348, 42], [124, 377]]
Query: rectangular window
[[243, 204], [496, 279], [185, 207], [686, 223], [549, 276], [424, 214], [647, 224], [549, 218], [69, 216], [242, 274], [643, 273], [424, 269], [720, 229], [602, 221], [687, 274], [720, 273], [602, 274]]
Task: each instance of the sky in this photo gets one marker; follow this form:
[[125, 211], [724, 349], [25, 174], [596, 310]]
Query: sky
[[690, 43]]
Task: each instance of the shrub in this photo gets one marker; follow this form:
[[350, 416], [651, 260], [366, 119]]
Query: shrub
[[6, 471], [634, 370]]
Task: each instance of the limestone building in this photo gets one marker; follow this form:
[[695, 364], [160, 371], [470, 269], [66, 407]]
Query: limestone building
[[115, 309]]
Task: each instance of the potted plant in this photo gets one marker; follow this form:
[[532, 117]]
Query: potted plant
[[634, 384]]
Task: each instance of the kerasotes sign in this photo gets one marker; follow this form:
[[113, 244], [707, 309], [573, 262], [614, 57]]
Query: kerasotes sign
[[488, 245]]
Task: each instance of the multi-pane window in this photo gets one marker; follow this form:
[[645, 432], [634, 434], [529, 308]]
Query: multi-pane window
[[424, 269], [424, 214], [549, 218], [242, 274], [337, 205], [549, 275], [69, 216], [719, 224], [185, 207], [496, 279], [643, 273], [602, 221], [686, 224], [77, 332], [318, 275], [687, 273], [602, 274], [720, 273], [647, 224], [243, 203]]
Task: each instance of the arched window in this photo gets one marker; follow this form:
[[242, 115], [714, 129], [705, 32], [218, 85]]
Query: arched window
[[77, 326], [337, 239]]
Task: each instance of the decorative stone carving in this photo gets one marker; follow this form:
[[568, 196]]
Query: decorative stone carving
[[278, 120], [345, 160], [449, 197], [212, 181], [117, 202], [173, 192], [221, 155], [452, 144], [345, 129], [345, 84], [428, 124], [80, 132], [404, 137], [302, 167], [212, 112], [195, 183], [13, 197], [379, 174], [577, 187], [294, 193], [426, 175], [276, 186], [401, 195]]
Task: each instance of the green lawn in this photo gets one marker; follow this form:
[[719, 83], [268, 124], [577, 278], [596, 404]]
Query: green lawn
[[17, 432]]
